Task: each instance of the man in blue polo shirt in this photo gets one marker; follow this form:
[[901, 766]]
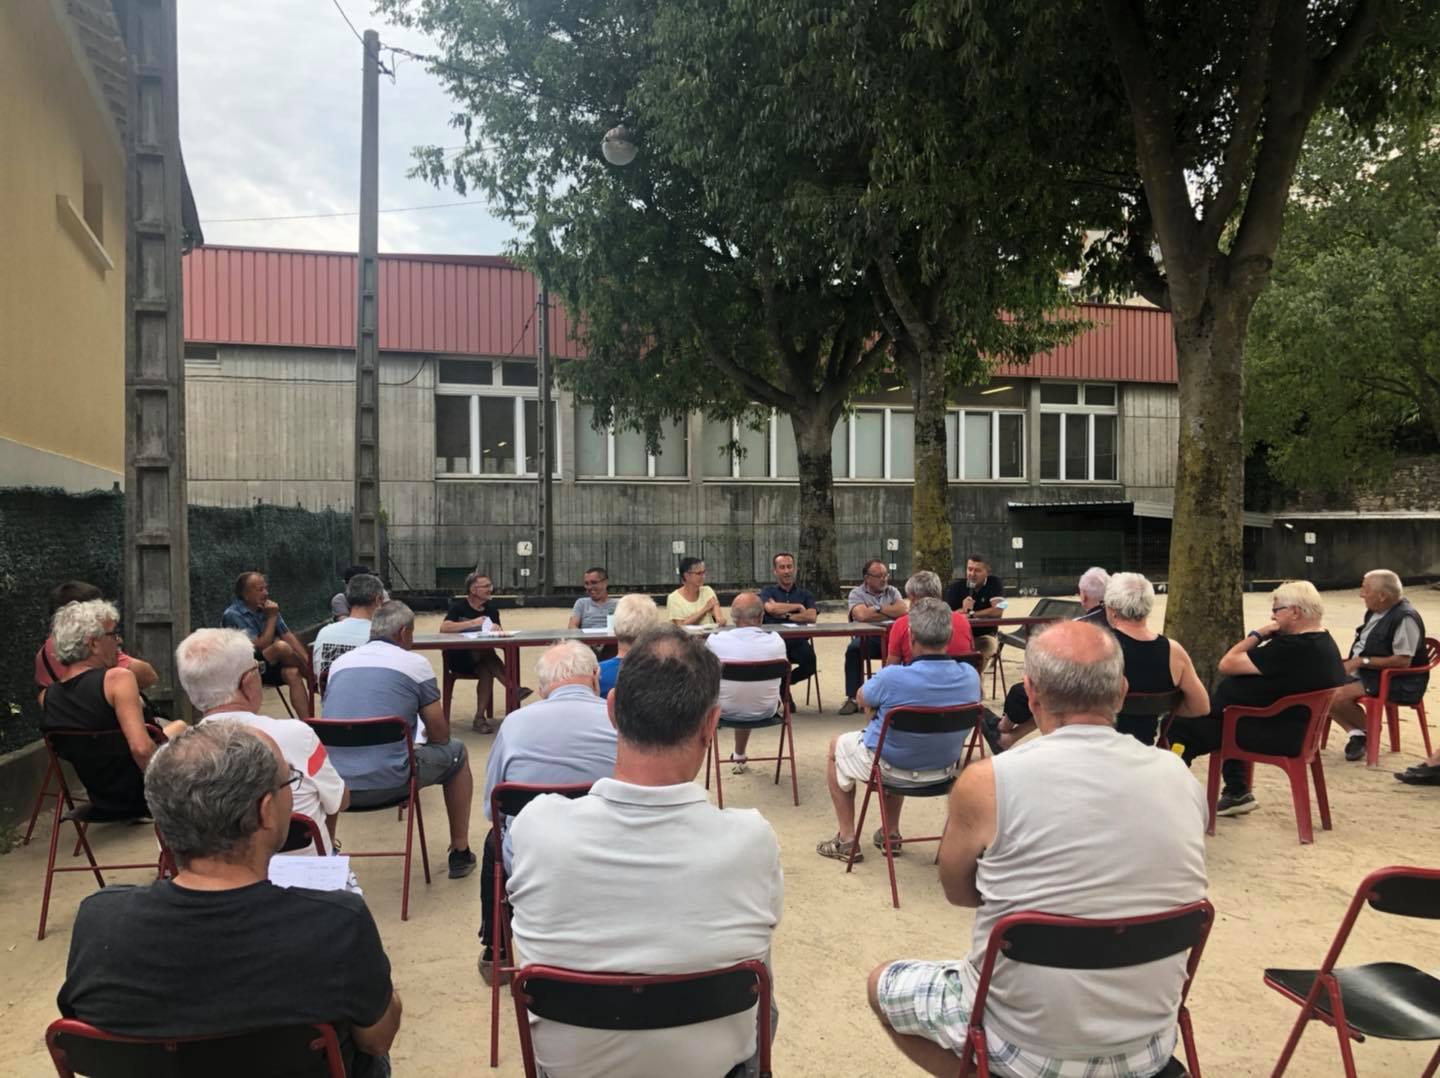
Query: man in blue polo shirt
[[933, 679], [785, 601], [385, 677], [258, 616]]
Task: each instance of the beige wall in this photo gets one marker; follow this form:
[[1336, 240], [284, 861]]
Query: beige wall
[[62, 348], [1150, 438]]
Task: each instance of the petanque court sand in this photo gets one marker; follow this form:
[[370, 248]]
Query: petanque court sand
[[1278, 903]]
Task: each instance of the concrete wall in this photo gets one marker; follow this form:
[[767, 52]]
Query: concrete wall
[[1348, 545], [62, 311], [275, 425]]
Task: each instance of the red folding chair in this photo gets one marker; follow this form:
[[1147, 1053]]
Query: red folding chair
[[1389, 1000], [365, 733], [52, 774], [506, 801], [635, 1001], [749, 673], [303, 832], [914, 720], [77, 1048], [1381, 701], [83, 813], [1058, 942], [447, 689], [1318, 704]]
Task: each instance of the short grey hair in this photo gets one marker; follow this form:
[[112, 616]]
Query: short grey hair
[[1389, 582], [204, 787], [566, 660], [470, 578], [931, 625], [365, 589], [390, 620], [923, 585], [76, 624], [1130, 595], [747, 613], [211, 662], [1070, 687], [1093, 582], [633, 615]]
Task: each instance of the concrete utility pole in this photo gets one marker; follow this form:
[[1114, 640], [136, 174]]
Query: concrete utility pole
[[544, 465], [157, 536], [365, 545]]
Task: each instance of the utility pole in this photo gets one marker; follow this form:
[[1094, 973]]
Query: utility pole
[[365, 531], [544, 465]]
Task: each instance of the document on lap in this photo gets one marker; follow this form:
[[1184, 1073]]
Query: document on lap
[[316, 873]]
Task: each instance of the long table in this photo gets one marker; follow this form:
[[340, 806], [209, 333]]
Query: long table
[[510, 643]]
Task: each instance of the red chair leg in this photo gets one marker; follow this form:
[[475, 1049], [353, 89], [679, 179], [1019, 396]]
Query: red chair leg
[[1424, 728], [1392, 716], [719, 790], [1187, 1036], [49, 871], [889, 853], [1434, 1062], [420, 831], [859, 826], [1322, 798], [409, 843], [1300, 795], [495, 933], [1372, 730], [1342, 1027], [1212, 789], [45, 792], [789, 731], [447, 690], [710, 755]]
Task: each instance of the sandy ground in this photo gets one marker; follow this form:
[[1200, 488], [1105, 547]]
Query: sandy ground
[[1278, 904]]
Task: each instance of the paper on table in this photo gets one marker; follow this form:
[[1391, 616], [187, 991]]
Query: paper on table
[[600, 631], [316, 873], [790, 625]]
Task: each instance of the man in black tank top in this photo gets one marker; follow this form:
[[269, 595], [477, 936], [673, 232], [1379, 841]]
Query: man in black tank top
[[97, 696], [1151, 660]]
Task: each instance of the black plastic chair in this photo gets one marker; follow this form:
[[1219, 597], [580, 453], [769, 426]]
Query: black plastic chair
[[913, 720], [388, 730], [507, 799], [631, 1001], [1057, 942], [301, 1051], [1059, 609], [1389, 1000], [750, 672], [1150, 705]]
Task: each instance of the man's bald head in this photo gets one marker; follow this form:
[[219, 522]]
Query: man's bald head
[[1075, 669], [747, 609]]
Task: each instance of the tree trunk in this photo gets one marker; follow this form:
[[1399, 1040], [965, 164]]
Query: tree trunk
[[1204, 612], [818, 562], [934, 546]]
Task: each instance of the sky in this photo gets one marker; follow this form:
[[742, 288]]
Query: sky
[[270, 127]]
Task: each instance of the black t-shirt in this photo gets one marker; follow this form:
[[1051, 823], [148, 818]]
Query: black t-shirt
[[461, 610], [166, 961], [1289, 663], [985, 597]]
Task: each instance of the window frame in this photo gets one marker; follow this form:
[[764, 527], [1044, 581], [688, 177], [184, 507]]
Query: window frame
[[1089, 412], [650, 458], [960, 412], [771, 434], [495, 389]]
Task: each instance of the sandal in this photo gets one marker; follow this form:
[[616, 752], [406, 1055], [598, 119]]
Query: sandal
[[738, 762], [839, 851], [481, 725], [879, 840]]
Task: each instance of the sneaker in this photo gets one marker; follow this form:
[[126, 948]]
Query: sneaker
[[1355, 748], [879, 839], [462, 863], [487, 970], [849, 707], [738, 763], [1236, 804]]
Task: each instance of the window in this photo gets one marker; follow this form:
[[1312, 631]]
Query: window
[[985, 445], [1079, 432], [621, 454], [487, 419], [874, 443], [767, 453]]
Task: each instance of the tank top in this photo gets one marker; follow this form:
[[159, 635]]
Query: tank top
[[104, 764], [1060, 847], [1147, 663]]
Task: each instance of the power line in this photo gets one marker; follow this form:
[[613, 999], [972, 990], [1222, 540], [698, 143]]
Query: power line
[[361, 39], [341, 213]]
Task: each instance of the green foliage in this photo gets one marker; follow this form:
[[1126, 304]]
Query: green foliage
[[1342, 363]]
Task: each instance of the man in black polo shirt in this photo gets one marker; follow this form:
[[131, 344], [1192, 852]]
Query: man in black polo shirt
[[785, 601], [220, 949], [981, 595]]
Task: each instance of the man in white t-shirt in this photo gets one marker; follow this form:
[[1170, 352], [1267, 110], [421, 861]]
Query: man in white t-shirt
[[218, 671], [364, 592], [747, 701]]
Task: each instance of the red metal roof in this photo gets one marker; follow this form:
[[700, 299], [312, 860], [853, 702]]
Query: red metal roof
[[478, 305], [483, 305]]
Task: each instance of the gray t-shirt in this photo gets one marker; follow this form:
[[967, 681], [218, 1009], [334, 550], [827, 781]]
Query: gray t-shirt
[[860, 595], [592, 614]]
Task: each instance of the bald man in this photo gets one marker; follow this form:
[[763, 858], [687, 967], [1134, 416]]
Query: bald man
[[746, 642], [1003, 841]]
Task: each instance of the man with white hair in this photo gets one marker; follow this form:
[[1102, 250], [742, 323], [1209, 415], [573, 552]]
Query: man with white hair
[[1392, 636], [634, 614], [219, 673], [1092, 595], [746, 642], [926, 585], [95, 694], [385, 677], [1153, 663], [1035, 828], [564, 737]]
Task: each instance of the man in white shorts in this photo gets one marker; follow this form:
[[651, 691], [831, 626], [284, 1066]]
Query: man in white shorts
[[933, 679]]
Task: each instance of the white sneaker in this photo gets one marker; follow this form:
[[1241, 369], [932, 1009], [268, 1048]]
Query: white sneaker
[[737, 764]]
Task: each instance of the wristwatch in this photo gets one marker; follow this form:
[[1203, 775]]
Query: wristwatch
[[1256, 634], [1364, 660]]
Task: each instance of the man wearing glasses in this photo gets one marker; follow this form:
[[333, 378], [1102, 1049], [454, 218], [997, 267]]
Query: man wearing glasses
[[595, 608], [218, 670], [875, 600]]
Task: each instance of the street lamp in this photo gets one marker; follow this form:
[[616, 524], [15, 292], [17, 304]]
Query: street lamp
[[618, 146]]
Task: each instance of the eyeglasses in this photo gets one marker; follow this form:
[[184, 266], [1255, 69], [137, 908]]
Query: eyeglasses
[[878, 576], [113, 632], [694, 572], [296, 775], [1277, 609]]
